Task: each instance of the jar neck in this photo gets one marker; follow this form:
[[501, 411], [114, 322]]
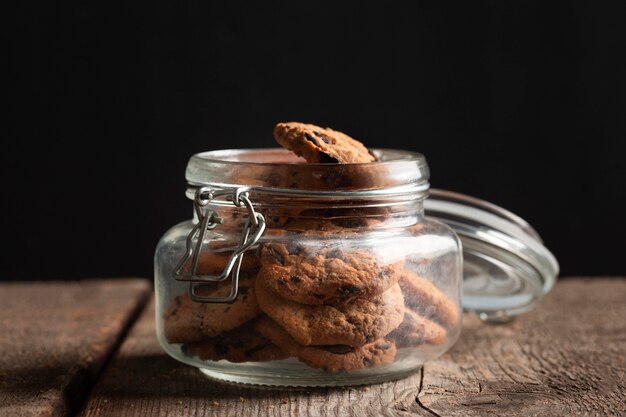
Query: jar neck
[[323, 214], [292, 195]]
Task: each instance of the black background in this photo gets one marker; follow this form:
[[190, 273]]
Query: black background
[[520, 103]]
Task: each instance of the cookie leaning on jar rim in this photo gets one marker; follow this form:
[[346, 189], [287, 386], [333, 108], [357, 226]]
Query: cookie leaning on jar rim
[[333, 286]]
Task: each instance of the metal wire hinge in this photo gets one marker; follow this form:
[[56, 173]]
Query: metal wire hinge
[[253, 228]]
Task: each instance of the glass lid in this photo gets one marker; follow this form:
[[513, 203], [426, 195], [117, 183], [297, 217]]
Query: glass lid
[[506, 268]]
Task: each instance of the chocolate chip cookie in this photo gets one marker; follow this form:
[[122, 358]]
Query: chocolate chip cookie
[[330, 358], [423, 297], [242, 344], [415, 330], [323, 274], [319, 145], [187, 321], [355, 323]]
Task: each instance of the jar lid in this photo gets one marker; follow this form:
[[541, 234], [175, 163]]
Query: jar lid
[[506, 268]]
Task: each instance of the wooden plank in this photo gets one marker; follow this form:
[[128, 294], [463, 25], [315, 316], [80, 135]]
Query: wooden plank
[[566, 358], [554, 359], [55, 337]]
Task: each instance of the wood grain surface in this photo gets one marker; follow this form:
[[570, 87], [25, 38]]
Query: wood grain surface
[[565, 358], [55, 337]]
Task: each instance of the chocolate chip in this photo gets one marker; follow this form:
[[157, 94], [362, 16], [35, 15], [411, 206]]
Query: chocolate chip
[[349, 290], [281, 281], [294, 249], [338, 349], [319, 296], [325, 138], [296, 279], [277, 255], [327, 159], [383, 346], [310, 138], [384, 273], [335, 253]]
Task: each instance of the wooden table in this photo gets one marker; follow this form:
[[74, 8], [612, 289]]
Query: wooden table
[[89, 349]]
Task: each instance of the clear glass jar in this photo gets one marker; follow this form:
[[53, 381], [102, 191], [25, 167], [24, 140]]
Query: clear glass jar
[[307, 274]]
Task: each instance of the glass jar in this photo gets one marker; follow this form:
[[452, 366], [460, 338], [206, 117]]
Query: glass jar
[[307, 274], [301, 274]]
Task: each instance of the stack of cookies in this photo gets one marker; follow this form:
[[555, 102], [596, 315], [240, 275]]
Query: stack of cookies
[[333, 307], [220, 331]]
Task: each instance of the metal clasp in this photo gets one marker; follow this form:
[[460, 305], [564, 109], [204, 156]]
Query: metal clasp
[[253, 228]]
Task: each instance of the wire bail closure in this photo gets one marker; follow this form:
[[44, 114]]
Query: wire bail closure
[[253, 228]]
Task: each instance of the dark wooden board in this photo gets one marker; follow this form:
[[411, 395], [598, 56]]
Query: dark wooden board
[[55, 337], [565, 358]]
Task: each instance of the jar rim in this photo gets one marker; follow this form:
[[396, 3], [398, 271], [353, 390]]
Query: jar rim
[[286, 157], [277, 170]]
